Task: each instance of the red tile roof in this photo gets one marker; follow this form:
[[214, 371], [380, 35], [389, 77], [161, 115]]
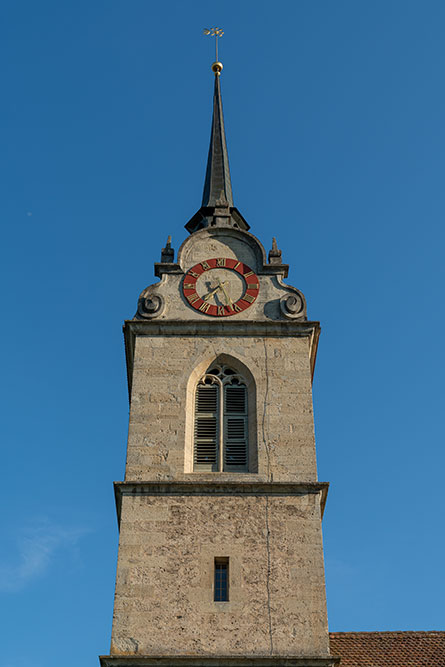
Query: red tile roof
[[389, 649]]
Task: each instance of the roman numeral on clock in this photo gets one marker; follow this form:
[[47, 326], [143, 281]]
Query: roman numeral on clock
[[193, 298], [249, 298]]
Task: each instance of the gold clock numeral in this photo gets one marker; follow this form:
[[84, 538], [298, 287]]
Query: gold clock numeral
[[192, 298], [253, 286], [249, 273], [205, 266], [236, 266], [204, 307], [194, 274], [189, 285], [221, 261], [249, 298], [236, 308], [220, 310]]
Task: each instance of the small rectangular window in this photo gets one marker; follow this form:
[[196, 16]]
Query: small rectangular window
[[221, 589]]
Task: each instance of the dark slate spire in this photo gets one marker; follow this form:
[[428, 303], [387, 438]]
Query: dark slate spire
[[217, 208], [217, 185]]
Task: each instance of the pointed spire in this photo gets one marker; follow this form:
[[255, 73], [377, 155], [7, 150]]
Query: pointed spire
[[217, 185], [217, 209]]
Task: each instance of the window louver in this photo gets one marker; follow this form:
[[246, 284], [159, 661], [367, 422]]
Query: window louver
[[235, 428], [235, 443], [235, 399], [206, 428], [207, 399]]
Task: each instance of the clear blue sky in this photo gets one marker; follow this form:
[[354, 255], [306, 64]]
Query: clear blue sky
[[335, 126]]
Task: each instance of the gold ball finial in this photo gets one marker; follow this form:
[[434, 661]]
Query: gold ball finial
[[217, 68]]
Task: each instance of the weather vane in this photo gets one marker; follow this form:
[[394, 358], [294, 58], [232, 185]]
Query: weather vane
[[214, 32]]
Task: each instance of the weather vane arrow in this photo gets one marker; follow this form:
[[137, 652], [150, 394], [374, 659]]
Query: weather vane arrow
[[216, 33]]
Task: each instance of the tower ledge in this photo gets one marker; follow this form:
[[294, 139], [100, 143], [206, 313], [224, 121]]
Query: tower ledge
[[219, 488], [216, 661]]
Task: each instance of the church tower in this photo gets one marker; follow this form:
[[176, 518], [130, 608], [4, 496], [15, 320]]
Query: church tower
[[220, 552]]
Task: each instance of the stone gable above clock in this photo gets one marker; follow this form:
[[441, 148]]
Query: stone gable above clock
[[221, 272]]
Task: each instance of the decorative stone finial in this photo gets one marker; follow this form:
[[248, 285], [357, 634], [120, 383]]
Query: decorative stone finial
[[274, 253], [167, 253]]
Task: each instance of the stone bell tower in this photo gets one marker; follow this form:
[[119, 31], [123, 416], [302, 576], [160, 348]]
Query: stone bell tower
[[220, 552]]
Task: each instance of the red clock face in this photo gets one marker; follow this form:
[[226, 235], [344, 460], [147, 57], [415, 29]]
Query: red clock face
[[220, 287]]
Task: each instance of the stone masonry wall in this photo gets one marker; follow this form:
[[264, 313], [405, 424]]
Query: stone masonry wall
[[164, 596], [166, 370]]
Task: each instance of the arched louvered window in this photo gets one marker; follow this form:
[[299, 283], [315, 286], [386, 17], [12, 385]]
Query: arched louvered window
[[221, 422]]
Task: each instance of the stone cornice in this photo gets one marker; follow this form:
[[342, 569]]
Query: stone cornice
[[218, 488], [167, 267], [217, 661], [220, 327], [206, 328], [268, 269]]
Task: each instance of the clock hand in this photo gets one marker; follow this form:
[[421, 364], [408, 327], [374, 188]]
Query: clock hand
[[207, 296], [228, 299]]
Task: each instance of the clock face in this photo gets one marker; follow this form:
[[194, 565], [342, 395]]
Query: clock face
[[220, 287]]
